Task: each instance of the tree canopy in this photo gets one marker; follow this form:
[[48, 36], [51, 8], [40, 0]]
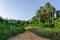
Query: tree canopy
[[45, 13]]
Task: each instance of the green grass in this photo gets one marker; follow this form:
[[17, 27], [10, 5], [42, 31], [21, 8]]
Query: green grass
[[30, 26], [52, 33]]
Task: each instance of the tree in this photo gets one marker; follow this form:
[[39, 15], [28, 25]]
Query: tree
[[45, 13], [34, 20], [1, 19], [58, 13]]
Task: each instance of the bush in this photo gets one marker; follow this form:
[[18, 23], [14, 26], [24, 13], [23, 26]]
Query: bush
[[53, 34], [8, 30], [57, 23]]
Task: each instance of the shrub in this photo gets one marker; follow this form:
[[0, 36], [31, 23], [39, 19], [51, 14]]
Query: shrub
[[47, 32], [7, 31]]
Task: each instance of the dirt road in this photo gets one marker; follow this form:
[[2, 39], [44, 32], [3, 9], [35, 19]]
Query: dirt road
[[27, 36]]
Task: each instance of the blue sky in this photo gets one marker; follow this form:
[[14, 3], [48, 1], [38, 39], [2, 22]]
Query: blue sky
[[23, 9]]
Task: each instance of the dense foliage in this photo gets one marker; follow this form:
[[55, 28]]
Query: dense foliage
[[10, 28], [45, 16], [45, 19]]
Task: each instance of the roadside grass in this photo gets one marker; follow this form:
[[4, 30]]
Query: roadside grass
[[29, 27], [52, 33]]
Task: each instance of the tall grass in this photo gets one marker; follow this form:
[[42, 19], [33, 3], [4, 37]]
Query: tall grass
[[52, 33]]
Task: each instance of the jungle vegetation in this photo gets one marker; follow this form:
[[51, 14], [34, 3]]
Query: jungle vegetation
[[43, 23]]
